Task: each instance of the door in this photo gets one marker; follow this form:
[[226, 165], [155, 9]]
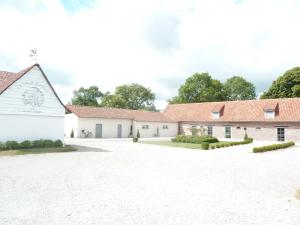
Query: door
[[98, 132], [280, 134], [119, 130]]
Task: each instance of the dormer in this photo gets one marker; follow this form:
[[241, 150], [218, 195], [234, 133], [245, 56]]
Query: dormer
[[217, 111], [270, 110]]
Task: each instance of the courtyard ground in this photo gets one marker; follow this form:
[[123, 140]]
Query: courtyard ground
[[120, 182]]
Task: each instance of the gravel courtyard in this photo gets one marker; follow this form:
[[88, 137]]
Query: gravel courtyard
[[120, 182]]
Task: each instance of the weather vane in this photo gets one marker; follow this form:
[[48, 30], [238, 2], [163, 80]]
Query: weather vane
[[33, 54]]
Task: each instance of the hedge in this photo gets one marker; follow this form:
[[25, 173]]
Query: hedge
[[247, 141], [205, 145], [273, 147], [194, 139], [8, 145]]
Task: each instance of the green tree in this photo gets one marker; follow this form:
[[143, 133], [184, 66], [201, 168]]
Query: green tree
[[87, 96], [132, 96], [286, 86], [200, 87], [237, 88]]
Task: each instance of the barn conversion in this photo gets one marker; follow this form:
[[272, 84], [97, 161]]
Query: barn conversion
[[29, 107], [269, 119]]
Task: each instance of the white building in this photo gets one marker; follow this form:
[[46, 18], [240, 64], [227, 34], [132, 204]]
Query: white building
[[101, 122], [29, 107]]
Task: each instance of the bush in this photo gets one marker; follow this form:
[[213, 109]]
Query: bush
[[58, 143], [194, 139], [245, 137], [72, 134], [273, 147], [26, 144], [138, 134], [213, 147], [2, 146], [12, 145], [135, 139], [218, 146], [205, 145]]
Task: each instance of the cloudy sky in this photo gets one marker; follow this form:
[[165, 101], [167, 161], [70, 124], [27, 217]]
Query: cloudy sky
[[157, 43]]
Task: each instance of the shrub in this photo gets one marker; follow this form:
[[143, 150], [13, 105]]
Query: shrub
[[218, 146], [48, 143], [26, 144], [2, 146], [213, 147], [245, 137], [273, 147], [38, 144], [135, 139], [58, 143], [72, 134], [12, 145], [205, 145], [138, 134], [195, 139]]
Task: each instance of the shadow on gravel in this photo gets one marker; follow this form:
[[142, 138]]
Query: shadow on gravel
[[88, 149]]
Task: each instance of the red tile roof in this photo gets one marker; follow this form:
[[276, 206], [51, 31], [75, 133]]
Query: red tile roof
[[114, 113], [236, 111], [8, 78]]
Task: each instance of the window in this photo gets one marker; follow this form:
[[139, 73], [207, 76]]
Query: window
[[280, 134], [145, 127], [215, 115], [238, 128], [258, 128], [270, 114], [165, 127], [227, 132], [210, 130]]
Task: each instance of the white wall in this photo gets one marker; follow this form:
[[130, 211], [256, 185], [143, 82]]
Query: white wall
[[109, 126], [153, 126], [71, 123], [27, 127], [30, 110]]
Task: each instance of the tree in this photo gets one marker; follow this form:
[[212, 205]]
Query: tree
[[132, 96], [286, 86], [200, 87], [237, 88], [87, 96]]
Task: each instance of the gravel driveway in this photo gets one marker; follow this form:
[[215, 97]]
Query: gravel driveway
[[120, 182]]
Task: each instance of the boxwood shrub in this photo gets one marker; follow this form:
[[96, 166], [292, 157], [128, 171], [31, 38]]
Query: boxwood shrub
[[194, 139], [205, 145], [9, 145], [273, 147]]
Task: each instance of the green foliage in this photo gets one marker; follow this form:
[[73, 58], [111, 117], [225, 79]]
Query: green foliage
[[200, 88], [12, 145], [135, 139], [194, 139], [237, 88], [132, 96], [72, 134], [213, 147], [205, 145], [2, 146], [26, 144], [87, 96], [58, 143], [273, 147], [286, 86], [138, 134]]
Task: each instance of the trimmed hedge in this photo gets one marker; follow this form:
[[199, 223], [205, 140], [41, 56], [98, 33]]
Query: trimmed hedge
[[273, 147], [9, 145], [247, 141], [205, 145], [194, 139]]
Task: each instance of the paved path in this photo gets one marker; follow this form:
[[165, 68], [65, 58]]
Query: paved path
[[120, 182]]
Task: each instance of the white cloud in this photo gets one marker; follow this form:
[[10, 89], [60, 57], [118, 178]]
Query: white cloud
[[153, 42]]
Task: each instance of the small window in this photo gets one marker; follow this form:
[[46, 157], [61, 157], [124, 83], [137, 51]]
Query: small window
[[227, 132], [210, 130], [238, 128], [258, 128], [215, 115], [269, 114], [145, 127], [280, 134], [165, 127]]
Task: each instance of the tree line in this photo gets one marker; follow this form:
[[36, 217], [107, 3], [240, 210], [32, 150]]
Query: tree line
[[200, 87]]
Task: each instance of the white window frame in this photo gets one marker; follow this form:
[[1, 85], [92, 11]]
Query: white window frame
[[215, 115], [269, 114]]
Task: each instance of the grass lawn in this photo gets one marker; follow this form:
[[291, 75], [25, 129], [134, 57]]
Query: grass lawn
[[179, 144], [37, 151]]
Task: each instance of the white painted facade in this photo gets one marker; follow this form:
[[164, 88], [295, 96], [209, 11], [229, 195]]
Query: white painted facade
[[30, 110], [110, 127]]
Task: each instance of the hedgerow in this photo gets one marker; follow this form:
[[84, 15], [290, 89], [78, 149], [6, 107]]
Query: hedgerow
[[273, 147], [194, 139], [9, 145]]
